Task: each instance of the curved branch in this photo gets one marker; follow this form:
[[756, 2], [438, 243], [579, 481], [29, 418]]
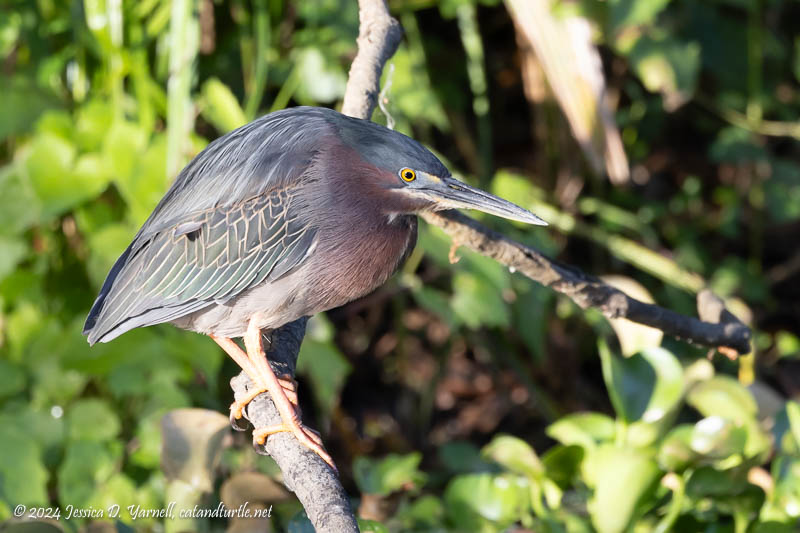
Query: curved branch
[[721, 328]]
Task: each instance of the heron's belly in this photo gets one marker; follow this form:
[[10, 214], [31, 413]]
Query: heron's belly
[[334, 275]]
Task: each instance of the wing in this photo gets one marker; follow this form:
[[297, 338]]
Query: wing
[[269, 153], [204, 259]]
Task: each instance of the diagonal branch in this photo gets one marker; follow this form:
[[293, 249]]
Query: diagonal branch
[[720, 329]]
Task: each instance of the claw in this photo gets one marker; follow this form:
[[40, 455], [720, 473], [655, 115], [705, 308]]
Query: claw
[[307, 437]]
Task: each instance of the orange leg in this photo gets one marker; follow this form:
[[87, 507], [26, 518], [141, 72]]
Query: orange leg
[[266, 378], [241, 358]]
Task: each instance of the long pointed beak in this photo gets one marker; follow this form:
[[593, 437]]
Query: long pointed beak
[[453, 194]]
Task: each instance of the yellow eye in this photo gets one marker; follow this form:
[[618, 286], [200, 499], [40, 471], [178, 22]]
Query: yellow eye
[[408, 175]]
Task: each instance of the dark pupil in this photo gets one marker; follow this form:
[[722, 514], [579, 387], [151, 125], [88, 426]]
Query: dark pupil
[[409, 175]]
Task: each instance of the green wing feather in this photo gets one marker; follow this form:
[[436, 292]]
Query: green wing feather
[[205, 259]]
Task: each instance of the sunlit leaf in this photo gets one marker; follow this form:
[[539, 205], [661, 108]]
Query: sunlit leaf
[[621, 478], [221, 107], [586, 430], [633, 13], [515, 455], [675, 452], [667, 66], [645, 387], [387, 475], [320, 81], [722, 396], [486, 502]]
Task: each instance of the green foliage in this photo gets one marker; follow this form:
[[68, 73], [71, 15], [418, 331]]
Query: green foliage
[[604, 468], [103, 102]]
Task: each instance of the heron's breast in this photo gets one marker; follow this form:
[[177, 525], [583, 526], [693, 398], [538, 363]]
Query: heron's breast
[[357, 260]]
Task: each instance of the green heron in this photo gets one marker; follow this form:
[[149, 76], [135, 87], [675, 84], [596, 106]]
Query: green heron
[[297, 212]]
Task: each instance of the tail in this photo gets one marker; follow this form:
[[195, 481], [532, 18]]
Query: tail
[[94, 331]]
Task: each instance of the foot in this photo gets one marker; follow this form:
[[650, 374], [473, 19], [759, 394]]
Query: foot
[[290, 417], [307, 437], [288, 385]]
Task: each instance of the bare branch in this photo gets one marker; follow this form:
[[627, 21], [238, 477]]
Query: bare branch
[[304, 472], [378, 37], [720, 329]]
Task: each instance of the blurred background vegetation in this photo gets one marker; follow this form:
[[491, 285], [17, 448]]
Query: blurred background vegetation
[[419, 387]]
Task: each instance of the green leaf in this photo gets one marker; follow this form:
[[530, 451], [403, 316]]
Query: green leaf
[[146, 185], [667, 66], [220, 106], [707, 482], [793, 413], [23, 100], [647, 386], [788, 344], [486, 502], [123, 146], [120, 490], [12, 251], [320, 80], [437, 302], [12, 379], [675, 453], [371, 526], [106, 245], [147, 453], [327, 369], [718, 438], [86, 466], [19, 206], [785, 500], [622, 479], [477, 304], [515, 455], [562, 464], [387, 475], [411, 93], [424, 514], [92, 124], [461, 456], [23, 477], [634, 12], [586, 430], [60, 178], [92, 419], [723, 396]]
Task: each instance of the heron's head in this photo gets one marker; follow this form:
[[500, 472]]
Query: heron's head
[[415, 180]]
